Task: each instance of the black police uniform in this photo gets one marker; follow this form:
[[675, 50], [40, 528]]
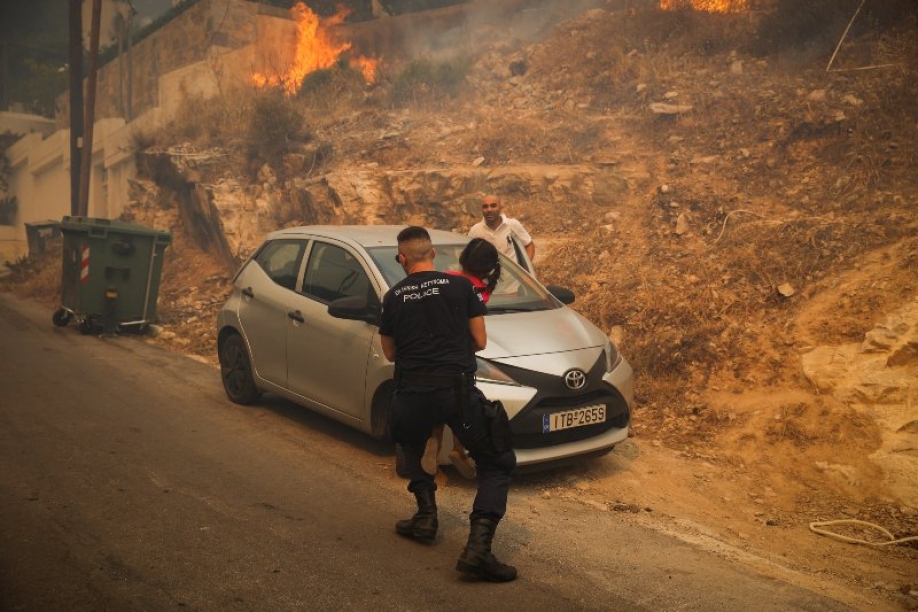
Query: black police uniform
[[427, 315]]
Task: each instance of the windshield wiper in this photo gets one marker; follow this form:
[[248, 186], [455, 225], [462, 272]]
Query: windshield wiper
[[499, 309]]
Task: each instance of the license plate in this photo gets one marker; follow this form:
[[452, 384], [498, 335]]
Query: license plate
[[579, 417]]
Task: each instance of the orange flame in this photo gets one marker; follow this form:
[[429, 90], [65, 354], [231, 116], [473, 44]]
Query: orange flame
[[315, 50], [710, 6]]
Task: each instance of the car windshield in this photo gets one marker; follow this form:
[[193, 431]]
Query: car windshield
[[516, 290]]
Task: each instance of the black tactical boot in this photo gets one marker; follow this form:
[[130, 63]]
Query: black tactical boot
[[423, 525], [476, 560]]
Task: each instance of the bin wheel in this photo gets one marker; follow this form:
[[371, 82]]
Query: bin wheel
[[87, 327], [61, 317]]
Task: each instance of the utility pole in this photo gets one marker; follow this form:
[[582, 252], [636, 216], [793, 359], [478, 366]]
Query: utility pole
[[76, 102], [4, 74], [89, 119], [129, 111], [125, 73]]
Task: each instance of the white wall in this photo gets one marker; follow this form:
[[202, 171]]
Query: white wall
[[40, 179], [21, 123], [35, 127]]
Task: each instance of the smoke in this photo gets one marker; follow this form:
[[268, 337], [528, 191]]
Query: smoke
[[480, 25]]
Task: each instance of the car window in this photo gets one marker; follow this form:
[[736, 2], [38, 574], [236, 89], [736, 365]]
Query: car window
[[332, 272], [516, 290], [280, 259]]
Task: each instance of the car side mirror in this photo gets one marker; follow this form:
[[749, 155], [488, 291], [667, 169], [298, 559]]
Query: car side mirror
[[564, 295], [354, 308]]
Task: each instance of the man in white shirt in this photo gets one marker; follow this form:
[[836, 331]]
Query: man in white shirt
[[497, 228]]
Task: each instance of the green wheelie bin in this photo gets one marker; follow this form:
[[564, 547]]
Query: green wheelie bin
[[111, 273]]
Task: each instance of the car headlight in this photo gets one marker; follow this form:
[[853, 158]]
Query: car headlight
[[613, 357], [489, 372]]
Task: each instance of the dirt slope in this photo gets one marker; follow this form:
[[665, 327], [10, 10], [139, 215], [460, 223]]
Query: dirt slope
[[768, 234]]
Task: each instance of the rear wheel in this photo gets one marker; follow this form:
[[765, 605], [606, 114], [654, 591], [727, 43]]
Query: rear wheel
[[236, 371]]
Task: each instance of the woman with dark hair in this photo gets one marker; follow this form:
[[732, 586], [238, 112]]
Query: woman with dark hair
[[480, 264], [479, 261]]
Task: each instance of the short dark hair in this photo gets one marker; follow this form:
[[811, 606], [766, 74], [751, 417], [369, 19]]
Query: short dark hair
[[413, 232], [414, 243]]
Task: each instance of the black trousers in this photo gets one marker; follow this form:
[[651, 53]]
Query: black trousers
[[417, 410]]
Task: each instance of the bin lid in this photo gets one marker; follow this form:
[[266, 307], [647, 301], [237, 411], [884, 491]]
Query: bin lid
[[98, 227], [47, 223]]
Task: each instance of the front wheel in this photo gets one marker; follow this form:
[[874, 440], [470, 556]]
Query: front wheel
[[382, 412], [236, 371]]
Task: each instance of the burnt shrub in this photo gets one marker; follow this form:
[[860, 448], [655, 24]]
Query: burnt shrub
[[276, 126], [817, 25], [424, 80], [340, 86]]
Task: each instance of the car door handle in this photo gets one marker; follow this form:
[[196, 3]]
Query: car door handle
[[297, 316], [247, 292]]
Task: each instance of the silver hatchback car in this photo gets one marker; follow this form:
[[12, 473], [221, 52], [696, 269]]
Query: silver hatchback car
[[303, 322]]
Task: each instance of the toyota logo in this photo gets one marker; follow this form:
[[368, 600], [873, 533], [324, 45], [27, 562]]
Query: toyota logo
[[575, 379]]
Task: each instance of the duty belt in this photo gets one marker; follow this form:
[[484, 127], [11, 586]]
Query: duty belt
[[438, 381]]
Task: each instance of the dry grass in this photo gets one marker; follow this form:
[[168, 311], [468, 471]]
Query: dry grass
[[38, 277], [790, 426]]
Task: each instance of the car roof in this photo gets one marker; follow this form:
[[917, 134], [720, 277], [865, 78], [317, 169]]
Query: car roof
[[364, 235]]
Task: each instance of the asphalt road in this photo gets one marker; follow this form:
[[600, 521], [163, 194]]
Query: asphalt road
[[129, 482]]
